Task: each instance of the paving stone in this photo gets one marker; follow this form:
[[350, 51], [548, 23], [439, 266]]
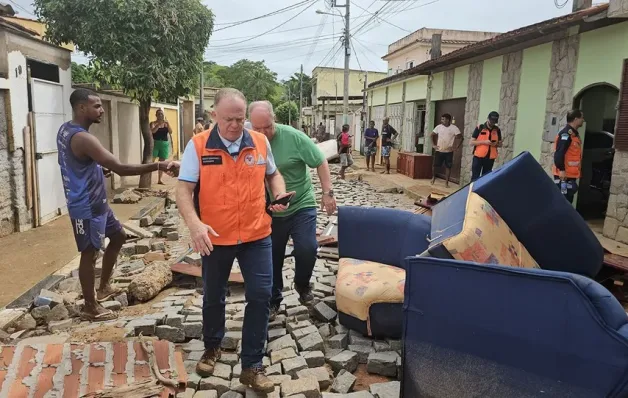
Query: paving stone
[[188, 393], [206, 394], [339, 341], [192, 311], [186, 292], [331, 302], [194, 318], [344, 382], [332, 352], [229, 358], [292, 365], [324, 313], [312, 342], [194, 259], [57, 326], [278, 379], [321, 374], [362, 351], [128, 249], [274, 334], [170, 333], [222, 370], [175, 320], [303, 317], [233, 394], [58, 313], [386, 390], [230, 341], [193, 380], [381, 346], [325, 331], [237, 370], [300, 333], [297, 311], [340, 329], [237, 387], [307, 386], [214, 383], [279, 355], [292, 326], [234, 326], [346, 360], [383, 363], [319, 287], [276, 324], [195, 356], [193, 329], [27, 323], [314, 359], [194, 345], [158, 246], [274, 370], [395, 345], [142, 247], [252, 394], [112, 305], [281, 343], [143, 326], [356, 338], [357, 394], [159, 317]]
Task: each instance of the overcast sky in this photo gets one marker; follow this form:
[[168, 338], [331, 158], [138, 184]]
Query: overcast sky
[[312, 39]]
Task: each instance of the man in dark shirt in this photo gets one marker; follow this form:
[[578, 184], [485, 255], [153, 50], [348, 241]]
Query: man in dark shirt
[[388, 135], [485, 139], [568, 155], [370, 145]]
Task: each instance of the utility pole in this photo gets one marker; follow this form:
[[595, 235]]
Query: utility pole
[[345, 110], [202, 93], [289, 108], [301, 97]]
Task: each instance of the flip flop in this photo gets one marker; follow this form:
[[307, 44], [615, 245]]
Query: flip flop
[[107, 315], [115, 292]]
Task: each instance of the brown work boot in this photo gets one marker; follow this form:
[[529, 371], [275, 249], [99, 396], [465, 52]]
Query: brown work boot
[[205, 367], [256, 379]]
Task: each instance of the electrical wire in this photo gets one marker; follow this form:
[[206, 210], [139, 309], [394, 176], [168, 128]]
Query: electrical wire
[[372, 18], [356, 56], [22, 8], [559, 5], [270, 14], [318, 33], [381, 19], [270, 30]]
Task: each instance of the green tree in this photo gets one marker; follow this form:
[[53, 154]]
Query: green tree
[[287, 113], [211, 76], [152, 49], [294, 86], [253, 78], [82, 73]]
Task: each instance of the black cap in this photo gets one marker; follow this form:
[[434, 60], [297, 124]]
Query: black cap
[[493, 115]]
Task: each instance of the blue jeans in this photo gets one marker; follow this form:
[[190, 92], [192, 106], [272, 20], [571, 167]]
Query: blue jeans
[[255, 259], [301, 226]]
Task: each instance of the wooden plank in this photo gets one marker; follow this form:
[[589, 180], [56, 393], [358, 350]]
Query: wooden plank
[[196, 271], [615, 261]]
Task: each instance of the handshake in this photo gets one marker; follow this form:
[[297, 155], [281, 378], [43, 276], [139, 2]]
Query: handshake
[[170, 167]]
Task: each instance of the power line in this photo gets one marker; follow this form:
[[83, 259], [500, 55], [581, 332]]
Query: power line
[[318, 33], [21, 8], [380, 18], [356, 55], [270, 30], [270, 14], [560, 5]]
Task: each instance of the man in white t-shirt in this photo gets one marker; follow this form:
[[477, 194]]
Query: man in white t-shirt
[[447, 138]]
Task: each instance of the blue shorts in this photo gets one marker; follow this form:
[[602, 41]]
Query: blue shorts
[[386, 151], [91, 233]]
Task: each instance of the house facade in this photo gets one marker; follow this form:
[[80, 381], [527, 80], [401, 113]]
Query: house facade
[[414, 49], [533, 76]]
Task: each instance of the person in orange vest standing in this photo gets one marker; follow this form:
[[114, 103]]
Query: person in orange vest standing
[[221, 196], [568, 155], [485, 139]]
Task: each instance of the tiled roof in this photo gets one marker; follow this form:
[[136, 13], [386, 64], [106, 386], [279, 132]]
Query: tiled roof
[[73, 370]]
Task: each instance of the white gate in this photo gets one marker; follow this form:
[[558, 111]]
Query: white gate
[[48, 116], [409, 128]]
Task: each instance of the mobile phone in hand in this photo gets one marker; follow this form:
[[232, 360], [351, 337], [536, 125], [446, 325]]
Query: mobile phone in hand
[[283, 201]]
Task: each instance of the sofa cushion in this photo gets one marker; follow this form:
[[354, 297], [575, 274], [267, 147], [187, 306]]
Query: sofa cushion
[[483, 238], [360, 284]]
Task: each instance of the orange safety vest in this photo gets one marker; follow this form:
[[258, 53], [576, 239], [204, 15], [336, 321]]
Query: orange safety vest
[[573, 157], [482, 150], [230, 195]]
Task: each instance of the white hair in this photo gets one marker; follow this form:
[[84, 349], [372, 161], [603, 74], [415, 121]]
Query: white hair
[[262, 104]]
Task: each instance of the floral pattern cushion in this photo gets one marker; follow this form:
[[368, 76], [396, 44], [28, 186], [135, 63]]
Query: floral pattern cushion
[[361, 284], [487, 239]]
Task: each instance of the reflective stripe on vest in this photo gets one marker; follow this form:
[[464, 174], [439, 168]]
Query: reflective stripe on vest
[[573, 157], [231, 193], [482, 150]]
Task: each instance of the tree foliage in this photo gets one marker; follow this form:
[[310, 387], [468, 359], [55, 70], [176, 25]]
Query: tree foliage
[[82, 73], [294, 86], [150, 48], [287, 113], [253, 78]]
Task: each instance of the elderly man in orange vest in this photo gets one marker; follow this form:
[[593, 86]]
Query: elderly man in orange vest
[[221, 196], [568, 155]]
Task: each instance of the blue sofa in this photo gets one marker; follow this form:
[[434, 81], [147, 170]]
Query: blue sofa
[[491, 331]]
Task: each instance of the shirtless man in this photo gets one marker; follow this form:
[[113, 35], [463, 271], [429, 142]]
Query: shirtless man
[[85, 164]]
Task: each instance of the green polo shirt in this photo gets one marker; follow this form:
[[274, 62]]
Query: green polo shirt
[[294, 152]]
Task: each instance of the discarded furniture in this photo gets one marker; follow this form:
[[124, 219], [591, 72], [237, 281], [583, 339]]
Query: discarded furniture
[[373, 244], [493, 331], [414, 165]]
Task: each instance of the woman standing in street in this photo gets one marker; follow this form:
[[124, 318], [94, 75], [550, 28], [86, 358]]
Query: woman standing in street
[[162, 133]]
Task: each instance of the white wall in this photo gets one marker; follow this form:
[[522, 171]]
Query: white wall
[[130, 142]]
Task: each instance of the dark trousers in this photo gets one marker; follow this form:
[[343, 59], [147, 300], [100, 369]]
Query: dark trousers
[[572, 188], [255, 259], [301, 226], [480, 167]]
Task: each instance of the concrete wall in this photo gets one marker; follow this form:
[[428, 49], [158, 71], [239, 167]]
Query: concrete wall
[[328, 78], [395, 93], [438, 86], [461, 82], [129, 138], [416, 89], [491, 87], [171, 112], [8, 161], [36, 26]]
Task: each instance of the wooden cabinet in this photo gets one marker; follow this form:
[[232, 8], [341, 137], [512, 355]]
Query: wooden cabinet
[[415, 165]]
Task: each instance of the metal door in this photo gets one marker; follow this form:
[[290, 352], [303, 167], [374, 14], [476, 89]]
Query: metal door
[[409, 128], [48, 116], [455, 108]]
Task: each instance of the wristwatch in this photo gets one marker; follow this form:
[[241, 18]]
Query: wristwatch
[[329, 193]]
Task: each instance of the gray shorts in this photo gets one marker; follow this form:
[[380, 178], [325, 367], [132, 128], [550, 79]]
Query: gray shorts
[[346, 160]]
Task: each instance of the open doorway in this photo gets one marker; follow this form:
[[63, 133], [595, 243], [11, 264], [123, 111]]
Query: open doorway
[[598, 103]]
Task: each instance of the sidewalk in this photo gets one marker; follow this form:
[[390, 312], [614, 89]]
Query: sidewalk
[[29, 257], [416, 189]]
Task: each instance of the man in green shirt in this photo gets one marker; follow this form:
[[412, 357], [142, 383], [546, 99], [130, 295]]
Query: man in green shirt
[[294, 152]]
